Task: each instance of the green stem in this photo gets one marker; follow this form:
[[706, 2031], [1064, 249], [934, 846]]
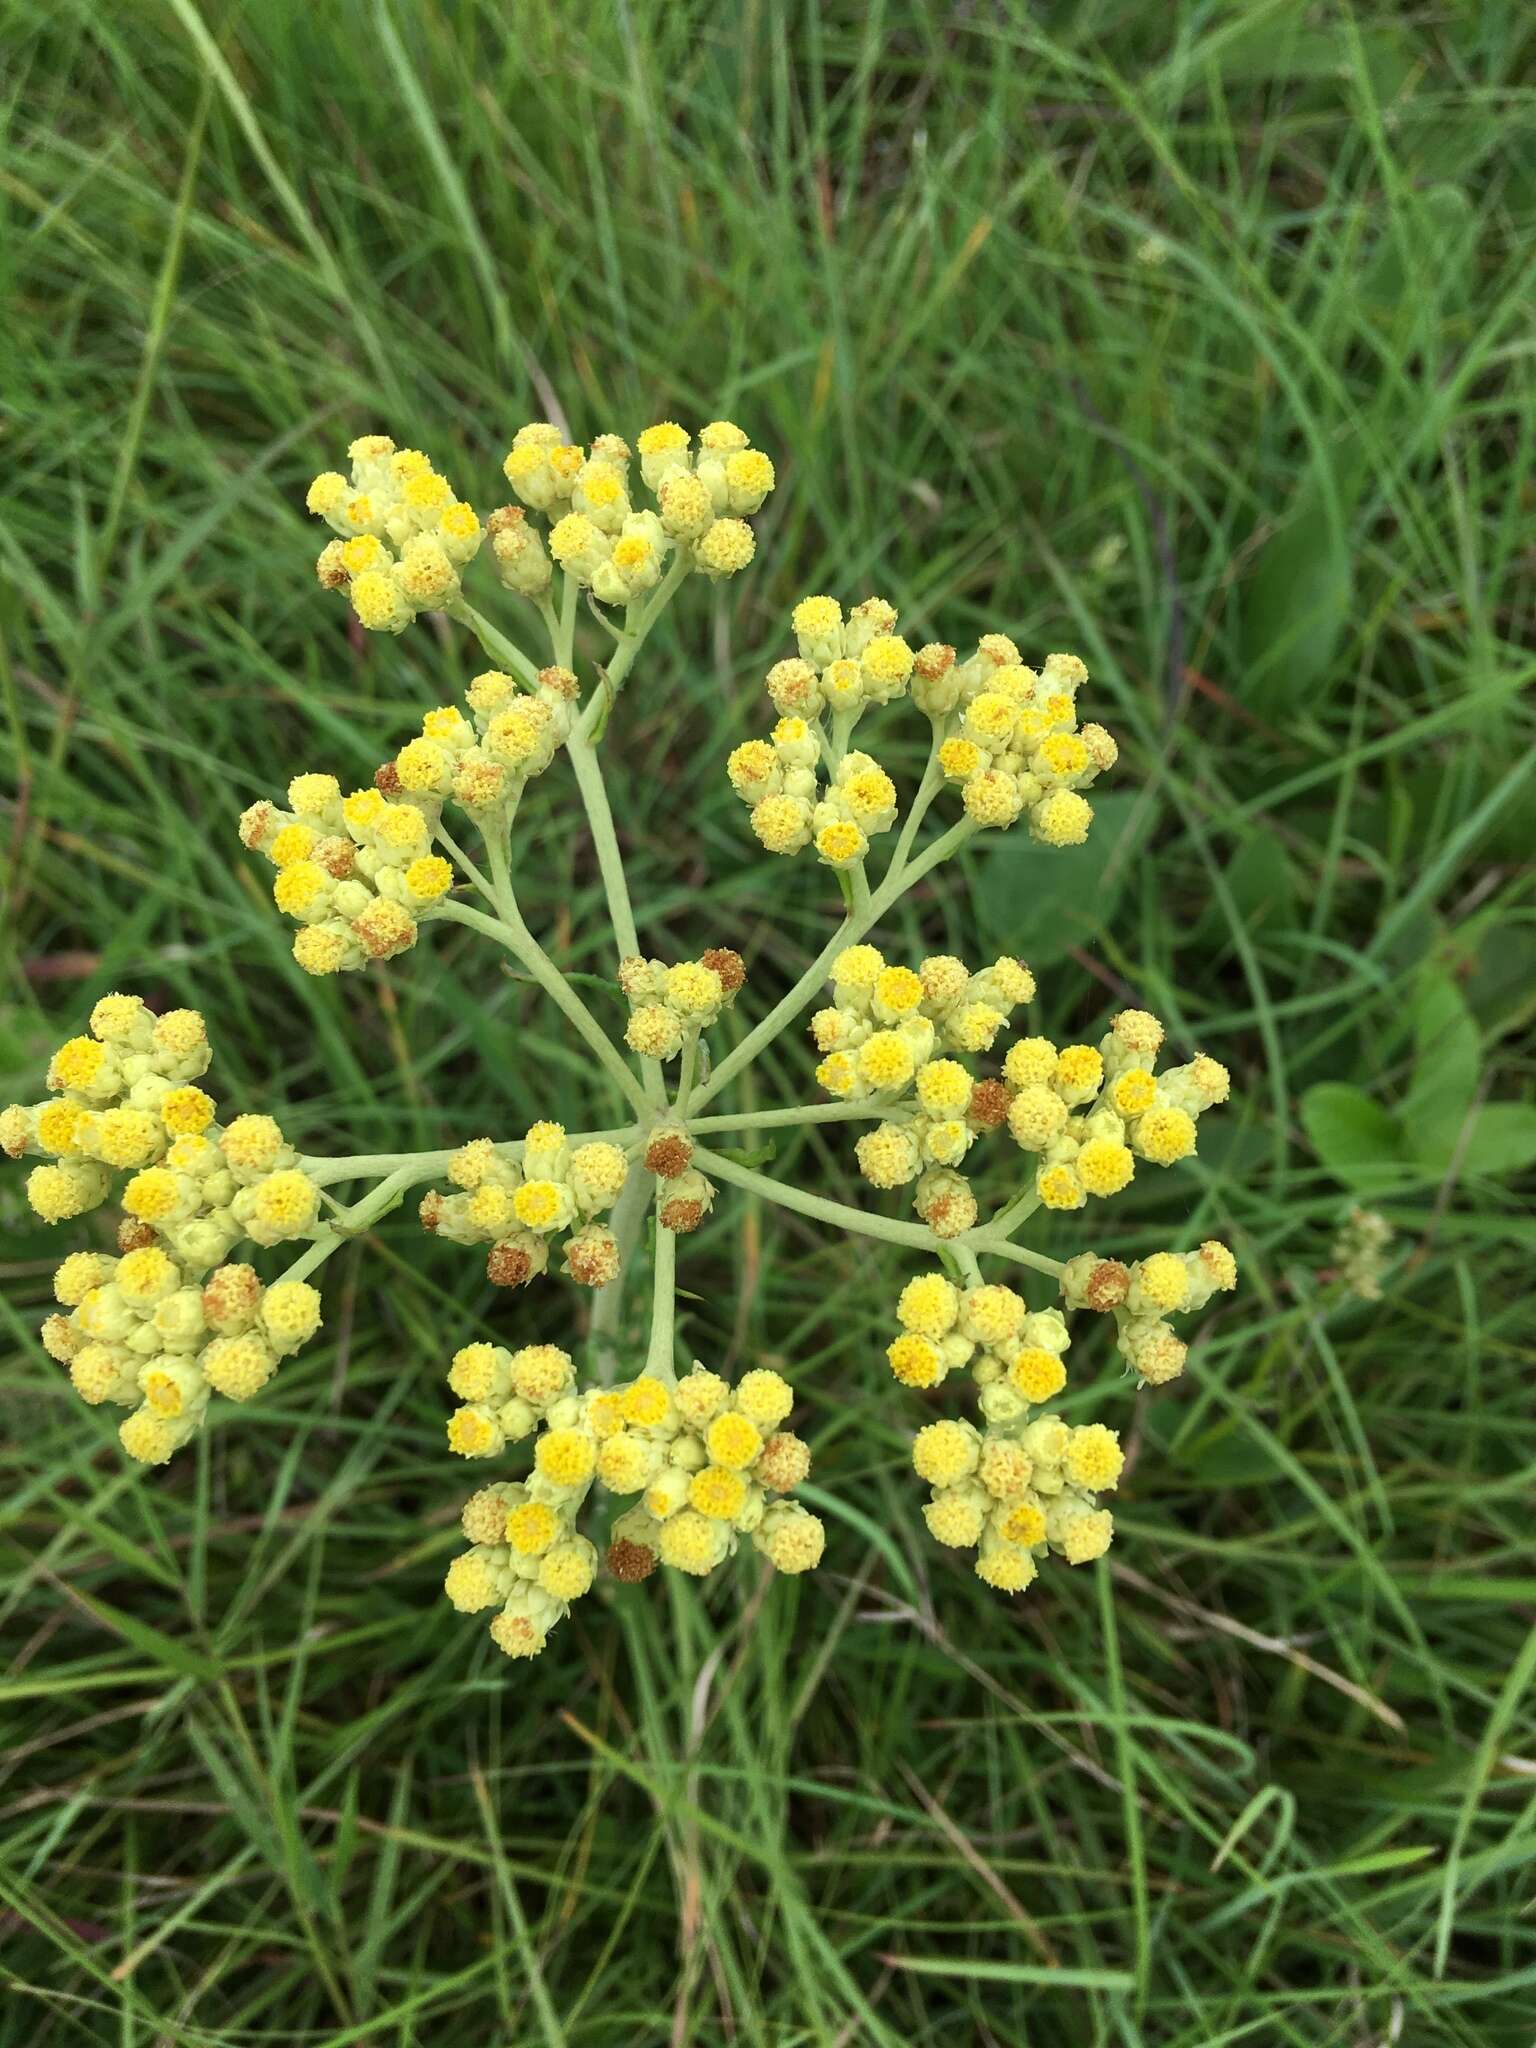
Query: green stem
[[1004, 1248], [351, 1222], [523, 946], [686, 1074], [457, 853], [927, 790], [773, 1119], [861, 1221], [853, 927], [659, 1358], [565, 641], [1012, 1214], [496, 643]]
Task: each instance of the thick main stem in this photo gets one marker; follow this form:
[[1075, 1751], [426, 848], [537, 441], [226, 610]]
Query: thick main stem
[[659, 1360]]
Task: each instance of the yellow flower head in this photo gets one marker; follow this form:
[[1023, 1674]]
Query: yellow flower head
[[945, 1452], [1164, 1135], [929, 1306], [565, 1457], [1104, 1167], [1133, 1092], [718, 1493], [1037, 1374], [1094, 1458], [732, 1441], [186, 1112], [532, 1528], [1163, 1281], [916, 1361], [885, 1060], [764, 1398]]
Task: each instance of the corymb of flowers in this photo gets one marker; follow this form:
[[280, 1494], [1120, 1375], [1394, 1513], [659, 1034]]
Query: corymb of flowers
[[931, 1056]]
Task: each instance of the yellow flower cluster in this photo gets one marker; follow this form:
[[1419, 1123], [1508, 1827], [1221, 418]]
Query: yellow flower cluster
[[163, 1322], [1091, 1112], [1015, 1355], [710, 1463], [519, 1205], [890, 1034], [1142, 1296], [616, 550], [403, 534], [1014, 745], [1007, 735], [485, 760], [843, 667], [670, 1005], [1013, 1495], [356, 873]]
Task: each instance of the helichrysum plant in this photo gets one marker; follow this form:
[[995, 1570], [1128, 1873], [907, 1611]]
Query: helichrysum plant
[[630, 1463]]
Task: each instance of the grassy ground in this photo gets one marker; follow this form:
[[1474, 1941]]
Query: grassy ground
[[1196, 338]]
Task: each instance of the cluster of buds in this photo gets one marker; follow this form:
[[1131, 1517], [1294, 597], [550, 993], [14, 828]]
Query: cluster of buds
[[403, 534], [671, 1005], [777, 777], [1014, 1494], [163, 1322], [596, 533], [1091, 1112], [1142, 1296], [487, 759], [1006, 734], [889, 1037], [683, 1196], [1013, 744], [1015, 1355], [356, 873], [519, 1199], [709, 1462]]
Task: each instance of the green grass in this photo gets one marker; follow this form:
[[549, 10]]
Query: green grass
[[1198, 339]]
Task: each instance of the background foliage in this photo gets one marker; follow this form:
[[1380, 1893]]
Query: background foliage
[[1196, 338]]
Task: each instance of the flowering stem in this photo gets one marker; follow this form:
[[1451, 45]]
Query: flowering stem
[[350, 1222], [659, 1360], [772, 1119], [686, 1073], [923, 796], [1004, 1248], [862, 1221], [565, 640], [457, 852], [632, 638], [496, 643], [1012, 1214], [324, 1169], [895, 885], [523, 946]]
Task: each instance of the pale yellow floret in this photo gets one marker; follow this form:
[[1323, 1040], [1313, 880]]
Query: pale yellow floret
[[1163, 1281], [646, 1403], [1164, 1135], [1094, 1458], [916, 1361], [1104, 1167], [885, 1060], [764, 1397], [186, 1112], [1024, 1523], [1030, 1061], [532, 1527], [899, 990], [732, 1441], [718, 1493], [690, 1542], [929, 1305], [943, 1087], [1133, 1092], [1037, 1374], [566, 1572], [944, 1452], [565, 1457]]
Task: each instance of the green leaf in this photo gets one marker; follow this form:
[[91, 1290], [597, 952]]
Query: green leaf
[[1502, 1139], [1041, 901], [1296, 604], [1354, 1137], [1447, 1062]]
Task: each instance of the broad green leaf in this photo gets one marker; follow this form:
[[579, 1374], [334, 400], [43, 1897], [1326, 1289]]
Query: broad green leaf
[[1354, 1137], [1296, 604], [1041, 901], [1447, 1062], [1502, 1139]]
